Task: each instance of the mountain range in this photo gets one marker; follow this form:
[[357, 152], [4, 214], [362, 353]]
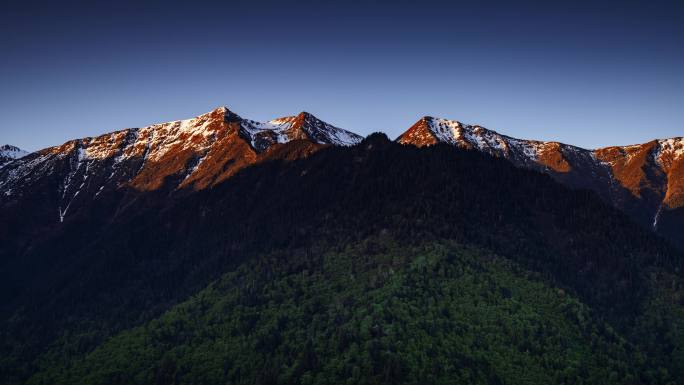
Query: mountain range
[[645, 180], [223, 250]]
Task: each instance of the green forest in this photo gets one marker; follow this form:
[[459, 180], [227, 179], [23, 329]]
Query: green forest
[[373, 313]]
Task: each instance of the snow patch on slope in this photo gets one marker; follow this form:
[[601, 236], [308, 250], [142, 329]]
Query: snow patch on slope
[[672, 147]]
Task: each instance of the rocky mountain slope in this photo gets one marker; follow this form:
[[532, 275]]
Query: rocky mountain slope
[[644, 180]]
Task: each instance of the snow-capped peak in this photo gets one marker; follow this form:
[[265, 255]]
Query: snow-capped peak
[[430, 130], [323, 132], [12, 151], [9, 153], [301, 126], [446, 131]]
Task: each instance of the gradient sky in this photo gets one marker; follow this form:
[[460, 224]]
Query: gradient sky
[[588, 73]]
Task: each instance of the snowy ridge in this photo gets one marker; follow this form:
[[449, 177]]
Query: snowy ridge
[[325, 133], [177, 154], [430, 130], [302, 126], [152, 143], [482, 139]]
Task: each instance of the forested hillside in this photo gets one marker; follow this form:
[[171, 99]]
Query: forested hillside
[[371, 313], [379, 262]]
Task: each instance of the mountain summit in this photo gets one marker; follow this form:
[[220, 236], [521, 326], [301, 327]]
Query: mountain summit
[[9, 153], [301, 126]]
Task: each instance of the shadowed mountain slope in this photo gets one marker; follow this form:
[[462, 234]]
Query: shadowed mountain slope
[[645, 180]]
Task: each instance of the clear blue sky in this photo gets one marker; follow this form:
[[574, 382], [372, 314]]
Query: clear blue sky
[[588, 73]]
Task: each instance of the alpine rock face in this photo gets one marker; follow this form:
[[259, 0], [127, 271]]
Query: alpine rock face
[[644, 180], [9, 153], [188, 154]]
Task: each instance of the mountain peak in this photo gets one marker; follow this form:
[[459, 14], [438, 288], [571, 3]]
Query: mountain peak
[[304, 125], [322, 132], [430, 130], [9, 153], [306, 119], [222, 112], [306, 114], [9, 147]]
